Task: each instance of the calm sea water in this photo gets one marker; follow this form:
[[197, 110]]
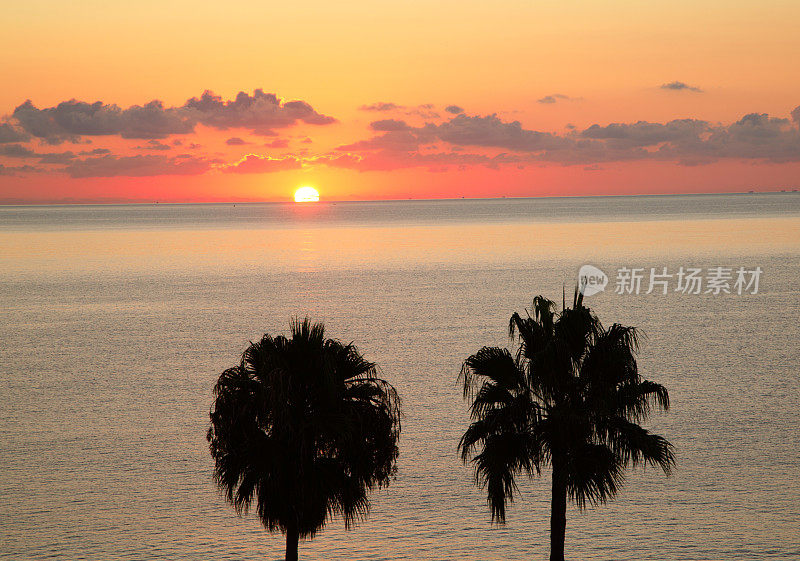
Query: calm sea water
[[116, 320]]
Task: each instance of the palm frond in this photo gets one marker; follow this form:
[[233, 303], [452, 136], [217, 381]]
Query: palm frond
[[490, 363], [570, 397], [304, 427], [635, 400], [594, 474], [503, 457], [636, 445]]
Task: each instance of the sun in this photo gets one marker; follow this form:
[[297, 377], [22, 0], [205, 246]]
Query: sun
[[306, 195]]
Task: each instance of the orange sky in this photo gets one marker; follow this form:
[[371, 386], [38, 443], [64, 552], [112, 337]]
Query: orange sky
[[600, 63]]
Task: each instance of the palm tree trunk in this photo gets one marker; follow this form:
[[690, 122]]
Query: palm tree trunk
[[558, 514], [292, 540]]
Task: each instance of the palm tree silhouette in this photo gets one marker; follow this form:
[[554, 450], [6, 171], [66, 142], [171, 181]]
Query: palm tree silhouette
[[571, 398], [304, 427]]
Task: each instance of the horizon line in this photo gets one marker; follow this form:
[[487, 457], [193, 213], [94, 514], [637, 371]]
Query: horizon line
[[100, 202]]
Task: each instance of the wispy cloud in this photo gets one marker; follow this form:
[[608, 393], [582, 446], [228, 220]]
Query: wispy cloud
[[154, 145], [381, 106], [137, 166], [553, 98], [680, 86], [424, 110], [11, 171], [257, 163]]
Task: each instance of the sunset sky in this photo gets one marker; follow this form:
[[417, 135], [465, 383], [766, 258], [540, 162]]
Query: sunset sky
[[249, 100]]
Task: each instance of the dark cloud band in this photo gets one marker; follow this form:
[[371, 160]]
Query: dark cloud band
[[260, 113]]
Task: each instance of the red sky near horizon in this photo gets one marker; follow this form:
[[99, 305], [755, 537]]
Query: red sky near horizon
[[251, 100]]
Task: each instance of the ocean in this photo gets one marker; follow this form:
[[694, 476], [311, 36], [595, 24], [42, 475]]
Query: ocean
[[115, 321]]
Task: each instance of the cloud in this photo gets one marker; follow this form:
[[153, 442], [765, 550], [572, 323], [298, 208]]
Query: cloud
[[460, 131], [260, 113], [154, 145], [9, 133], [381, 106], [643, 133], [256, 163], [553, 98], [17, 151], [389, 125], [433, 161], [12, 171], [153, 120], [278, 143], [393, 140], [491, 131], [137, 166], [70, 120], [755, 136], [348, 161], [95, 152], [426, 111], [685, 141], [680, 86], [61, 158], [458, 140]]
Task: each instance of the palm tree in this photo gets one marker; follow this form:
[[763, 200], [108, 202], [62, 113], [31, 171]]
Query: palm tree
[[304, 427], [572, 398]]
